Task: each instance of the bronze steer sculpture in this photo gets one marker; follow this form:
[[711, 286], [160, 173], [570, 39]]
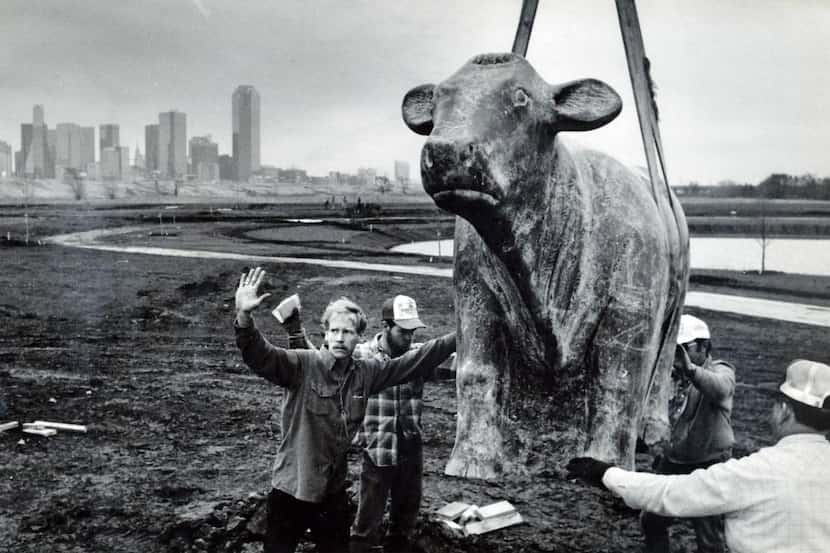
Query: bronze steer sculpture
[[570, 273]]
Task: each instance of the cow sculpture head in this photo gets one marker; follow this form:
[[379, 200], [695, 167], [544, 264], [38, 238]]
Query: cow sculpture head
[[491, 124]]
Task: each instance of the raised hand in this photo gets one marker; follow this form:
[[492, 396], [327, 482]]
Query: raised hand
[[246, 293]]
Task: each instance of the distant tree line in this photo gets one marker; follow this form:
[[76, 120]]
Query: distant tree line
[[777, 185]]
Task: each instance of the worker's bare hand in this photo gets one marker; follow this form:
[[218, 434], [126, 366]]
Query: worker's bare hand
[[247, 298]]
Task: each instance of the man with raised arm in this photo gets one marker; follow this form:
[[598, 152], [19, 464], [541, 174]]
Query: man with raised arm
[[324, 404]]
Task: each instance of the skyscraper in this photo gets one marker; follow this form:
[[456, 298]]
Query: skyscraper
[[115, 163], [38, 151], [87, 147], [68, 146], [107, 138], [25, 167], [151, 148], [172, 151], [5, 160], [245, 131], [204, 156]]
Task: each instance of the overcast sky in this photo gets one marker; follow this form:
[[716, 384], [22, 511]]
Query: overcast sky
[[743, 86]]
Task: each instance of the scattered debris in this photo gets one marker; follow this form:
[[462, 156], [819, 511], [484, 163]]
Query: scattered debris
[[39, 430], [452, 511], [61, 426], [473, 520], [495, 523], [8, 425]]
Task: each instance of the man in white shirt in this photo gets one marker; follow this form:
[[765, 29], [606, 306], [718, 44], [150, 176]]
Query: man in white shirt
[[775, 500]]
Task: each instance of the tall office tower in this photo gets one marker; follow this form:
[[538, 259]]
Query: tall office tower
[[115, 163], [172, 149], [151, 148], [25, 167], [107, 137], [138, 160], [204, 157], [68, 146], [87, 147], [226, 171], [245, 131], [51, 147], [38, 151], [5, 160]]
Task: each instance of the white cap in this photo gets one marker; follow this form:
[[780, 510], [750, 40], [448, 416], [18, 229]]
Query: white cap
[[808, 382], [402, 310], [691, 329]]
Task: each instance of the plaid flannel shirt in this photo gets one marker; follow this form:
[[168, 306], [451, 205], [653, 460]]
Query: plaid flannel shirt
[[391, 413]]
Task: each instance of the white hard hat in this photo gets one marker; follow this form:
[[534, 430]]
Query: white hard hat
[[691, 329], [808, 382]]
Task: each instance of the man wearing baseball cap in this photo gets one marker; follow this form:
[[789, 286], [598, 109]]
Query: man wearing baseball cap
[[700, 412], [391, 436], [391, 432], [775, 500]]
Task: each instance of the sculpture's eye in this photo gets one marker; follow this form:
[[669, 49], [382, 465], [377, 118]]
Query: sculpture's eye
[[520, 98]]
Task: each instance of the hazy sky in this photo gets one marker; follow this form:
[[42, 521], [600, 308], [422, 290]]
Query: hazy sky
[[743, 86]]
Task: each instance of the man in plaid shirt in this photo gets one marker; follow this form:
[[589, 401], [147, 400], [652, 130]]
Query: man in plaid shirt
[[391, 433], [391, 437]]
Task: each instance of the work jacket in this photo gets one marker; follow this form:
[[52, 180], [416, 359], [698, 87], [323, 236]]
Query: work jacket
[[323, 408], [776, 500], [703, 430]]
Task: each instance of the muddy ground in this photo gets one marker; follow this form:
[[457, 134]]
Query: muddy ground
[[181, 435]]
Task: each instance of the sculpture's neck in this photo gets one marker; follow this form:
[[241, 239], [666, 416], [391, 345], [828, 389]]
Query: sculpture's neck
[[539, 232]]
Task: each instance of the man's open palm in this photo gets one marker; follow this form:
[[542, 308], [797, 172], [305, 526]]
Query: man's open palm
[[246, 294]]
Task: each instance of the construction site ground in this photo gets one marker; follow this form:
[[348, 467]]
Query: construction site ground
[[181, 435]]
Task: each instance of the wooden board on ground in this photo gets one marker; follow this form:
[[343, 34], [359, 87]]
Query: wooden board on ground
[[500, 508], [40, 431], [8, 425], [452, 511], [62, 426], [495, 523]]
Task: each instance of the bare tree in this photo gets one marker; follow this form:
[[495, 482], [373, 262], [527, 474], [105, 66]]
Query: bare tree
[[763, 231], [76, 182]]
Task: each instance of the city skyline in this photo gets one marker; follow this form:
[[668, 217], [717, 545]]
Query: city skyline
[[741, 87]]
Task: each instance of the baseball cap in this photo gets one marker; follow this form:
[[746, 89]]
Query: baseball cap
[[808, 382], [402, 310], [691, 329]]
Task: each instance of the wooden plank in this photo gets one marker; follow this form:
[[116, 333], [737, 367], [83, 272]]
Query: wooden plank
[[646, 109], [522, 39], [452, 511], [40, 431], [500, 508], [8, 425], [495, 523], [62, 426]]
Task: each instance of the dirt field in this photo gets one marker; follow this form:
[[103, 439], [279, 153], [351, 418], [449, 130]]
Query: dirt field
[[182, 436]]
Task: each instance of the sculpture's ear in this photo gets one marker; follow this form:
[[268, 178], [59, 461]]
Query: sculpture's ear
[[417, 108], [584, 105]]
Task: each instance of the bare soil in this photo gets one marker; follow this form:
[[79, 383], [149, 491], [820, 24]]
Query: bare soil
[[181, 435]]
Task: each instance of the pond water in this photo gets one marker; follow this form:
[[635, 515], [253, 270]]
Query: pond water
[[787, 255]]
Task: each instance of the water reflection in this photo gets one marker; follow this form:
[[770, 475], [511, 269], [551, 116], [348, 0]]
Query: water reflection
[[787, 255]]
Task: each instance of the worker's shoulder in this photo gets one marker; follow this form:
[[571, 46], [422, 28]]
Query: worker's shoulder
[[720, 364]]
